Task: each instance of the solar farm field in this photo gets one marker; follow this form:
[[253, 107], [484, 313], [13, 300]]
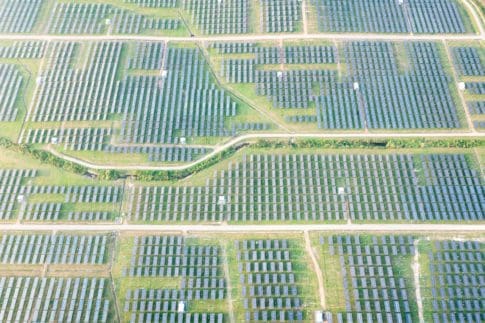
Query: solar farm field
[[35, 193], [309, 187], [139, 277], [226, 161], [133, 108], [416, 16], [18, 69], [351, 85], [62, 277], [469, 62], [401, 278], [257, 186], [57, 17], [170, 17], [133, 103]]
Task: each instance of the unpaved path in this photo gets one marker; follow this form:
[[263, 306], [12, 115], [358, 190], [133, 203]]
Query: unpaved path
[[316, 269], [255, 136], [417, 285]]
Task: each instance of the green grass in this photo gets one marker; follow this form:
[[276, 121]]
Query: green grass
[[54, 198], [332, 275], [468, 21], [255, 17], [402, 267], [306, 279], [47, 175], [424, 248], [42, 20], [312, 17]]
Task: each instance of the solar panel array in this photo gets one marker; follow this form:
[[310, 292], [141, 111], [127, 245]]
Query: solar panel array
[[270, 287], [155, 112], [198, 267], [239, 70], [53, 249], [293, 88], [281, 15], [387, 98], [269, 54], [457, 271], [310, 54], [23, 49], [437, 16], [68, 94], [10, 85], [475, 87], [98, 18], [16, 191], [301, 118], [220, 17], [468, 61], [94, 139], [286, 89], [451, 191], [417, 16], [12, 186], [148, 56], [162, 154], [323, 187], [125, 22], [358, 16], [374, 290], [154, 3], [233, 47], [85, 216], [150, 108], [373, 92], [162, 305], [107, 196], [40, 299], [479, 125], [476, 107], [19, 16], [252, 126], [172, 256]]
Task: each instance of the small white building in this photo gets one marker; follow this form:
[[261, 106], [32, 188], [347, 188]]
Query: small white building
[[356, 86], [318, 317], [181, 307], [323, 317], [222, 200]]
